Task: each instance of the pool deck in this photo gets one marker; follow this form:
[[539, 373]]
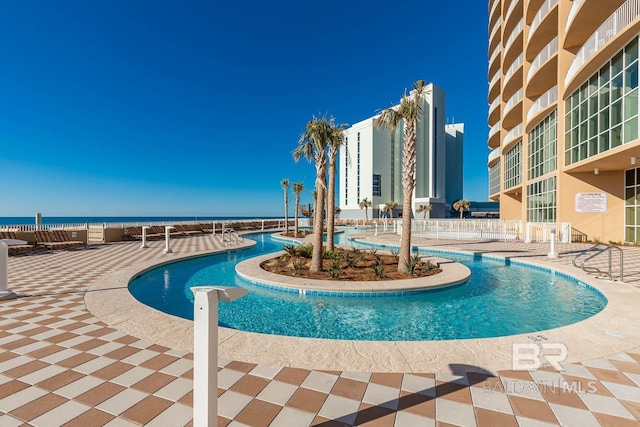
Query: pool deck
[[77, 350]]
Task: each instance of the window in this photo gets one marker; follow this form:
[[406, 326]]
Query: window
[[513, 166], [541, 200], [542, 147], [494, 178], [358, 171], [632, 206], [603, 113], [377, 185], [346, 171]]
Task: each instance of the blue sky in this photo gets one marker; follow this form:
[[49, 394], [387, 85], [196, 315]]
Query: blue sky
[[193, 107]]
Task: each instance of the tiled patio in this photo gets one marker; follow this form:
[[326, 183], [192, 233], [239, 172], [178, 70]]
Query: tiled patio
[[60, 365]]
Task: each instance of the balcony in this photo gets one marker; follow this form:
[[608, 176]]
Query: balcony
[[541, 105], [493, 156], [543, 28], [514, 13], [513, 110], [494, 86], [513, 79], [492, 12], [514, 38], [495, 35], [494, 111], [622, 18], [512, 136], [584, 18], [543, 71], [494, 136], [494, 62]]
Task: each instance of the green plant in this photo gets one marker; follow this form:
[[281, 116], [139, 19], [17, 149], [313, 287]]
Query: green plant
[[596, 239], [353, 257], [290, 249], [298, 266], [411, 264], [335, 270], [305, 251], [331, 255], [373, 251], [378, 270], [395, 252]]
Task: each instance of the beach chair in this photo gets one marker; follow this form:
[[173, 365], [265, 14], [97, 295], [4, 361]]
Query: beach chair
[[47, 240], [16, 249], [62, 237], [186, 231]]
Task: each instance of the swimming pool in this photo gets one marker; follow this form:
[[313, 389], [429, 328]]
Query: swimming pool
[[498, 300]]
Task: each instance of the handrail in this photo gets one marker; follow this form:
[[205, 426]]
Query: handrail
[[513, 134], [542, 12], [618, 21], [546, 99], [600, 248], [545, 54], [573, 12], [514, 34], [230, 236], [513, 101], [496, 26], [515, 65]]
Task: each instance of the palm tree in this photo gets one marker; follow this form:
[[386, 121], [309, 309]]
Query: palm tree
[[461, 205], [297, 187], [389, 207], [336, 141], [424, 209], [365, 204], [409, 112], [285, 186], [312, 145]]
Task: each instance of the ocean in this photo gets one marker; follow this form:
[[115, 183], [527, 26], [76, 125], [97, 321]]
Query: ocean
[[27, 220]]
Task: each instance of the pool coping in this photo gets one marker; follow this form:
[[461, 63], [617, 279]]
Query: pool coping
[[452, 274], [611, 331]]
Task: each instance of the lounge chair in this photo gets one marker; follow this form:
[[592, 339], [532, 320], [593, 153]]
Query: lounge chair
[[16, 249], [47, 240], [185, 231], [136, 233], [62, 237]]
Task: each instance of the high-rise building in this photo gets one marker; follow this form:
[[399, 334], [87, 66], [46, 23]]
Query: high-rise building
[[563, 115], [370, 163]]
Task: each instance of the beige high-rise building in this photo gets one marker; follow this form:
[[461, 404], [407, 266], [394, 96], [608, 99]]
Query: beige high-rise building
[[563, 115]]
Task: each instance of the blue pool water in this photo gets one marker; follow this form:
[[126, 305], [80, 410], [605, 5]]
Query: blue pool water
[[498, 300]]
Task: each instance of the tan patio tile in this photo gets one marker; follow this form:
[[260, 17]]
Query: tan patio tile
[[38, 407], [488, 418], [393, 380], [532, 408], [293, 376], [348, 388], [60, 380], [153, 382], [100, 393], [258, 413], [307, 400], [375, 416], [250, 385], [146, 410]]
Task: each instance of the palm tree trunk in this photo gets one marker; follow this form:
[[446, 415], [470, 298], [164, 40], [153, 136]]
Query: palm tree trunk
[[408, 184], [286, 213], [318, 220], [331, 203], [295, 226]]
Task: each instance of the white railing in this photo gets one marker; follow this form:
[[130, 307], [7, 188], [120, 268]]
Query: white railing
[[494, 104], [513, 68], [546, 99], [495, 78], [510, 10], [618, 21], [494, 129], [572, 13], [493, 7], [495, 154], [514, 34], [517, 97], [490, 229], [496, 52], [512, 134], [542, 12], [545, 54], [496, 27]]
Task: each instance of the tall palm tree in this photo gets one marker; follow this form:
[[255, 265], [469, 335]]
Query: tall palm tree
[[313, 145], [336, 140], [461, 205], [389, 207], [409, 112], [285, 186], [424, 209], [365, 204], [297, 187]]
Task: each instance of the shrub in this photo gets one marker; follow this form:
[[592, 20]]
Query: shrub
[[298, 266], [411, 264], [305, 251], [378, 270], [331, 255], [290, 249], [335, 270]]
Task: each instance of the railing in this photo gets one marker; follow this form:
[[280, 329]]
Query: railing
[[545, 54], [495, 154], [572, 13], [230, 237], [494, 104], [493, 7], [546, 99], [542, 12], [512, 134], [510, 10], [494, 54], [495, 78], [599, 249], [517, 97], [517, 63], [618, 21], [494, 129], [490, 229], [496, 27], [514, 34]]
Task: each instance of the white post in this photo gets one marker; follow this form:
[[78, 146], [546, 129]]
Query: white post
[[5, 293], [552, 251], [144, 237], [213, 228], [262, 228], [376, 233], [205, 350], [167, 229], [527, 237], [38, 221]]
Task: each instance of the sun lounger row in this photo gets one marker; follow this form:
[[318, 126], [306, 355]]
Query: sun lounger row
[[158, 231], [16, 249], [56, 239]]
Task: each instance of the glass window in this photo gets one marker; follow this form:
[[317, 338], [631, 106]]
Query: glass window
[[631, 52], [542, 146], [616, 64]]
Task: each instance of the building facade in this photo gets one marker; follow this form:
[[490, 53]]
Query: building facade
[[370, 163], [563, 115]]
